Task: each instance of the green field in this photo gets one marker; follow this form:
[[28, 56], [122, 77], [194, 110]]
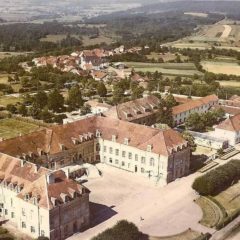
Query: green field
[[171, 69], [218, 67], [10, 128], [5, 100]]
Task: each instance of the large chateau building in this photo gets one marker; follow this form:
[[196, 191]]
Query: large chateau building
[[40, 198], [40, 202]]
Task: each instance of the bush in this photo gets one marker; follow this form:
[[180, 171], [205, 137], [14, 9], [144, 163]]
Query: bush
[[122, 230], [218, 179], [205, 236], [3, 230]]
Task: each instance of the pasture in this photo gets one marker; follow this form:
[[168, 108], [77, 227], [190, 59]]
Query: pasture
[[10, 128], [53, 38], [221, 67], [171, 69]]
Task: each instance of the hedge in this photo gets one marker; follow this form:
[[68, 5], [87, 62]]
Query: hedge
[[122, 230], [219, 179], [228, 219], [205, 236]]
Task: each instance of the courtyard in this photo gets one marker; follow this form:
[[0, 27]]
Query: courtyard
[[156, 210]]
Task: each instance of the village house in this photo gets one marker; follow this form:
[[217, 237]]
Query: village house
[[40, 202], [202, 105], [229, 129], [100, 76]]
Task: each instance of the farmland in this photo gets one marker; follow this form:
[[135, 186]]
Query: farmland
[[10, 128], [221, 67], [182, 69]]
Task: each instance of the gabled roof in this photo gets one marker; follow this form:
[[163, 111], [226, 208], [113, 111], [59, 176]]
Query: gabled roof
[[163, 141], [33, 181], [231, 124], [194, 104]]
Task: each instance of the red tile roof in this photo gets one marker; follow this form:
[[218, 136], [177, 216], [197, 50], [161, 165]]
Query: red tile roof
[[231, 124], [194, 104]]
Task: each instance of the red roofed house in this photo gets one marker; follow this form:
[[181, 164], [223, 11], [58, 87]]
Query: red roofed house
[[229, 129], [202, 105]]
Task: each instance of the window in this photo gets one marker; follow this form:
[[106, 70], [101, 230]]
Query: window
[[151, 163], [42, 233], [104, 148], [116, 161], [6, 212], [123, 154], [136, 157], [32, 229], [12, 215], [142, 170], [130, 155], [126, 141], [23, 212], [104, 158], [111, 150], [117, 152], [23, 225], [143, 160], [123, 164], [129, 165], [110, 160]]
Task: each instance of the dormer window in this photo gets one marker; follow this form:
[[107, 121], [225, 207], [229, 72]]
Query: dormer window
[[98, 134], [62, 147], [75, 141], [27, 197], [126, 141], [114, 138], [149, 148], [81, 138]]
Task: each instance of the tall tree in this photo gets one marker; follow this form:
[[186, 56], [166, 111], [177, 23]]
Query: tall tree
[[101, 89], [55, 101], [75, 98]]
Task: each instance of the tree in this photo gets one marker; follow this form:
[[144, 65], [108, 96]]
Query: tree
[[55, 101], [40, 99], [170, 101], [75, 98], [118, 93], [101, 89], [11, 108], [22, 110], [85, 109], [190, 139], [195, 122], [122, 230], [165, 113]]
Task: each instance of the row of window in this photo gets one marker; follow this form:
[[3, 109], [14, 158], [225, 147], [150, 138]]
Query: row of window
[[129, 155], [151, 161]]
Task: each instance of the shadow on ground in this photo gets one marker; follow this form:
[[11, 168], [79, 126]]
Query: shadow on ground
[[100, 213]]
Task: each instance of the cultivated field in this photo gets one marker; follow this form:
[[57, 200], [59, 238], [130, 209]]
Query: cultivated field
[[221, 67], [229, 83], [10, 54], [183, 69], [53, 38], [87, 41], [10, 128], [166, 57]]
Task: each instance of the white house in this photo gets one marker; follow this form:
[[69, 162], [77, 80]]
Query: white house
[[229, 129]]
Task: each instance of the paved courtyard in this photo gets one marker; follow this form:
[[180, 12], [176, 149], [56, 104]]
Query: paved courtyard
[[121, 195]]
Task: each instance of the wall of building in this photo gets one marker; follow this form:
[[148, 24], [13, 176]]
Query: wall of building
[[26, 216], [69, 218], [231, 136]]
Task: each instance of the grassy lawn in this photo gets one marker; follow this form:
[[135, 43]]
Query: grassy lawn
[[10, 128], [5, 100], [230, 198], [212, 214], [187, 235]]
